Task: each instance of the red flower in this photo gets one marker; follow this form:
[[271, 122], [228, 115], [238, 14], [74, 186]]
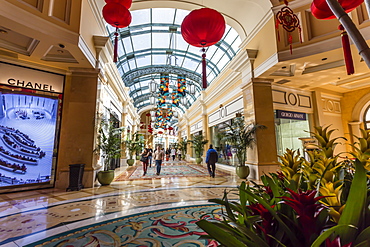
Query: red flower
[[304, 204], [268, 191], [335, 243], [267, 220], [281, 176]]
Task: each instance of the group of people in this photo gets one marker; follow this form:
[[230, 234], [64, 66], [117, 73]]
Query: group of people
[[173, 153], [147, 156]]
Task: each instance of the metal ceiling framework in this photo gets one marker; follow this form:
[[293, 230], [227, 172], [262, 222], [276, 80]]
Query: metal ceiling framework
[[153, 44]]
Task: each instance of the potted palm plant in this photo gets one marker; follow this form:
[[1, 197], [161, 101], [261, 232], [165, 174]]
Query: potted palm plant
[[198, 143], [241, 136], [109, 146], [183, 146], [133, 144]]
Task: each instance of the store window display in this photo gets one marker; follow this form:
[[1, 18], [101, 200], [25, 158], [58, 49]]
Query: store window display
[[289, 127]]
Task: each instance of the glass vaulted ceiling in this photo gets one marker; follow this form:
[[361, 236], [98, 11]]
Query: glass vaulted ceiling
[[153, 44]]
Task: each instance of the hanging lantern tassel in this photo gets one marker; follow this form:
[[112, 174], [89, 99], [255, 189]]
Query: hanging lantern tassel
[[115, 46], [277, 28], [204, 68], [347, 51], [290, 41]]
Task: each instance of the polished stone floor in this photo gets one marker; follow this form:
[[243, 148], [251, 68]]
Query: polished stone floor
[[26, 217]]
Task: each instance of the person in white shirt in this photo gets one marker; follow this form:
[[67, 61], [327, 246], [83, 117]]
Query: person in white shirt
[[179, 154], [173, 153], [158, 156]]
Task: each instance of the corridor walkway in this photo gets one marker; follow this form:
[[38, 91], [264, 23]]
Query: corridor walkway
[[26, 217]]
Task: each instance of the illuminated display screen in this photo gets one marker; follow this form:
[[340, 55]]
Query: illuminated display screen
[[28, 130]]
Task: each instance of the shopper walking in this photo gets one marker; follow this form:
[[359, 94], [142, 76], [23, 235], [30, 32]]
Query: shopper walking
[[211, 160], [158, 157], [144, 160], [150, 156], [173, 153]]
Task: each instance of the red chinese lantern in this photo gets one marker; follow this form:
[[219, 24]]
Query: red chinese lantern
[[321, 10], [126, 3], [170, 128], [202, 28], [118, 16]]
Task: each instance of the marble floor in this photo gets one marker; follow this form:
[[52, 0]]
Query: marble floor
[[26, 217]]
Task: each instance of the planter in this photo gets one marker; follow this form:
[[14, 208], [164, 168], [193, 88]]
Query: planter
[[242, 171], [105, 177], [198, 160], [138, 157], [130, 162]]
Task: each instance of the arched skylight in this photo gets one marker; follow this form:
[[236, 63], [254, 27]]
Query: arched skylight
[[153, 44]]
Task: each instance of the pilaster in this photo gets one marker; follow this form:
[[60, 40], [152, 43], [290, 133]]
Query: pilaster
[[77, 134], [258, 109]]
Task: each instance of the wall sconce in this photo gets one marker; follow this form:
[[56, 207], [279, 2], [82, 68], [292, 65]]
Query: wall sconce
[[152, 100]]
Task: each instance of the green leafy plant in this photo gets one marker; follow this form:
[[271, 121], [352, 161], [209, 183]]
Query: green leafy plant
[[108, 142], [198, 143], [241, 136], [134, 143], [286, 212], [183, 146]]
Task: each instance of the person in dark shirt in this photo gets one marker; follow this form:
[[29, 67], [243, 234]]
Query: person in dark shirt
[[150, 156], [211, 160]]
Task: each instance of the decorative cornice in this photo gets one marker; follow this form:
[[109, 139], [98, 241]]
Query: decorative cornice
[[269, 15], [86, 51]]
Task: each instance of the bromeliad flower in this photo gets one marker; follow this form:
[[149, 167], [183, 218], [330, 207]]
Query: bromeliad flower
[[335, 243], [267, 220], [307, 209]]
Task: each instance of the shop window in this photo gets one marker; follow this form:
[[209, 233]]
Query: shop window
[[288, 132], [367, 118], [226, 154]]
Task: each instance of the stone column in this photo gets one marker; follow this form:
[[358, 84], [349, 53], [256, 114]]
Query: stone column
[[124, 133], [258, 108], [77, 134], [317, 106], [189, 150]]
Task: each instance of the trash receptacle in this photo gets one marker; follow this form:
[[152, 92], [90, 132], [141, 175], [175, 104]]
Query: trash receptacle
[[76, 172]]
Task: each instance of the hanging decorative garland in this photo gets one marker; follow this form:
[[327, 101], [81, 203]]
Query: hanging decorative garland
[[181, 85], [164, 84], [290, 22]]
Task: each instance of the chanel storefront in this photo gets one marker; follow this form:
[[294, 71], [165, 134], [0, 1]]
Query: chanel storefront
[[30, 107]]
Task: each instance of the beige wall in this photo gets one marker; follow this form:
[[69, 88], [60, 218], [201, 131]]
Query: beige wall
[[348, 104], [77, 133]]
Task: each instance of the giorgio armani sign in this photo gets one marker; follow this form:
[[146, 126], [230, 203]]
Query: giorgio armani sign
[[290, 115], [13, 75]]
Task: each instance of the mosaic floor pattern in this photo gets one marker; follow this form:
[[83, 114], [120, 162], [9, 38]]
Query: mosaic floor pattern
[[170, 227], [35, 216], [168, 170]]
